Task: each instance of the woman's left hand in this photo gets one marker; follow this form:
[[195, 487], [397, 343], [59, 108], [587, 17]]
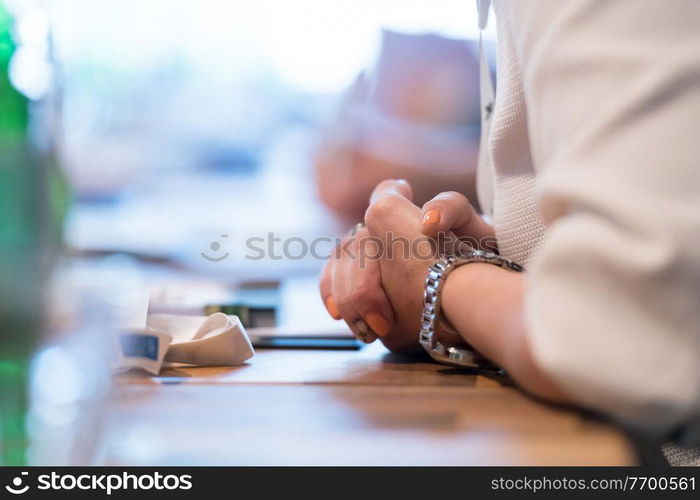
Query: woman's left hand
[[412, 239], [491, 321]]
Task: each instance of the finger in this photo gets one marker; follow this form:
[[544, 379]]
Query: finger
[[452, 211], [392, 186], [356, 285], [324, 285], [369, 298], [342, 289]]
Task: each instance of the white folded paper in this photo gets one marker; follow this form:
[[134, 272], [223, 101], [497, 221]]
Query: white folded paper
[[215, 340]]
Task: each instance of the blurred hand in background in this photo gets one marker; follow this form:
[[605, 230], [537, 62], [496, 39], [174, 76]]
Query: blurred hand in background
[[415, 116]]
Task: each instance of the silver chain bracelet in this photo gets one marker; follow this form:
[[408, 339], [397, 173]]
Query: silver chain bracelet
[[434, 282]]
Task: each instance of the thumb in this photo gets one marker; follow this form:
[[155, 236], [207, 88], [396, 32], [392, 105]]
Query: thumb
[[392, 186], [452, 211]]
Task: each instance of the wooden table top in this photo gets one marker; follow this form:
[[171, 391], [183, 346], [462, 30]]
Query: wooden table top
[[367, 407]]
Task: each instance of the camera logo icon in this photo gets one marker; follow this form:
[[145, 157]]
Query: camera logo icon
[[16, 488], [215, 246]]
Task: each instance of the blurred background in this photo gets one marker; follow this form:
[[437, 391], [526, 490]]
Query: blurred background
[[144, 143], [183, 120]]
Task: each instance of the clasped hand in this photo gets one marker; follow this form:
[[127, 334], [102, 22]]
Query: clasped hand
[[375, 277]]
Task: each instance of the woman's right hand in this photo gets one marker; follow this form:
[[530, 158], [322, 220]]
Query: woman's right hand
[[451, 213]]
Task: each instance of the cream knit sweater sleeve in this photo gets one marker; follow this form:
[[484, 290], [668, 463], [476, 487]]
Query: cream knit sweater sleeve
[[612, 90]]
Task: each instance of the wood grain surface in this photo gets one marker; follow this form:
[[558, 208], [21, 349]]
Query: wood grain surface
[[367, 407]]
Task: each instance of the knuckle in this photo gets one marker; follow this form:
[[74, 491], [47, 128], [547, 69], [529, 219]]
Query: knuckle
[[324, 285], [454, 194], [368, 303], [324, 281], [344, 303], [386, 184], [452, 198], [360, 294], [367, 274], [369, 251], [361, 234], [382, 207]]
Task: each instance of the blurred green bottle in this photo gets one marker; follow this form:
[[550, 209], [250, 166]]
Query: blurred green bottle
[[32, 202]]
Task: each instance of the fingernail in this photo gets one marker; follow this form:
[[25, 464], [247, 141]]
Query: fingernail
[[363, 333], [332, 307], [378, 323], [432, 216]]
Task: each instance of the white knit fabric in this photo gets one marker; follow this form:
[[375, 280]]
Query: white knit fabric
[[596, 136], [517, 222]]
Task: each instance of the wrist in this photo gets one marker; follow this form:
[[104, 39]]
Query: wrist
[[477, 300], [436, 280], [485, 305]]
